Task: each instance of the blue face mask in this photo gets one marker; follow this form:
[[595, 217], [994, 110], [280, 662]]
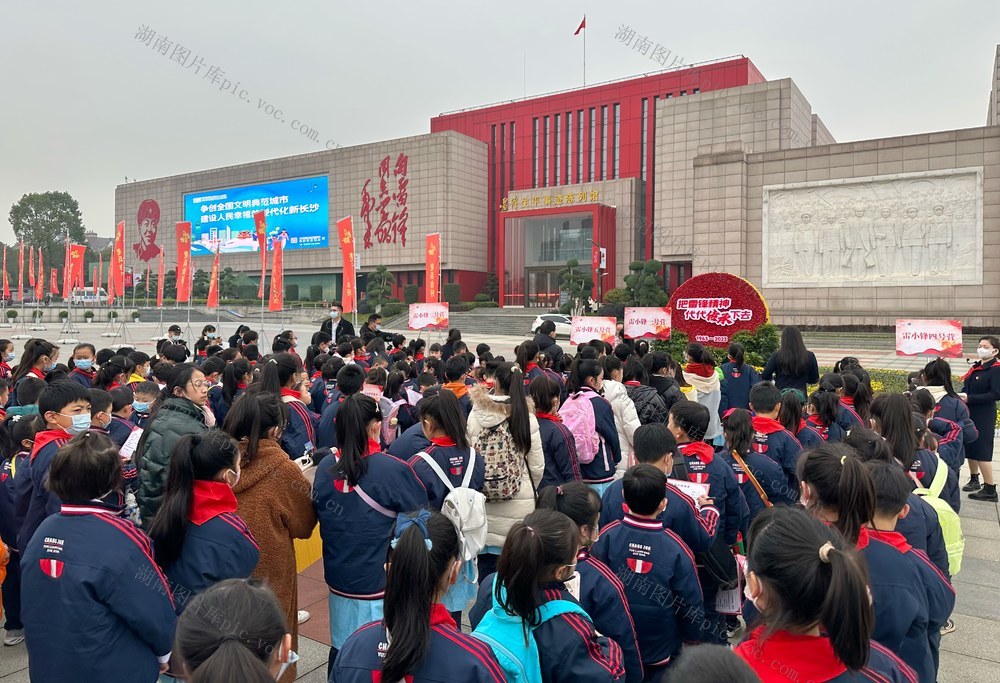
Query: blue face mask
[[49, 367], [81, 423], [334, 314], [84, 363], [140, 406], [9, 357]]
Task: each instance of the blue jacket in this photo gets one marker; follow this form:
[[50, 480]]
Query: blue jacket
[[924, 468], [832, 432], [299, 437], [736, 386], [120, 430], [409, 443], [33, 502], [770, 438], [848, 418], [84, 379], [218, 544], [697, 528], [326, 430], [912, 600], [602, 595], [705, 468], [559, 448], [768, 474], [318, 393], [951, 448], [8, 497], [453, 461], [451, 655], [609, 453], [807, 436], [922, 530], [661, 584], [94, 603], [217, 402], [139, 419], [954, 409], [355, 534]]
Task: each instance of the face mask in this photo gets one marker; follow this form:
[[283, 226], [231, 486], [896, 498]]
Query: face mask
[[985, 354], [292, 658], [106, 425], [334, 314], [9, 357], [378, 328], [235, 481], [49, 367], [84, 363], [140, 406], [746, 594], [81, 423]]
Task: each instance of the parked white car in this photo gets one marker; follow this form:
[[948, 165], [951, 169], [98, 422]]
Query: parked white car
[[563, 323], [87, 295]]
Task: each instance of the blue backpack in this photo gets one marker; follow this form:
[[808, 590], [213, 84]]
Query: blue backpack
[[505, 634]]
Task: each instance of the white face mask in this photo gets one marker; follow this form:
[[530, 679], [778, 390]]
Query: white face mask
[[985, 354]]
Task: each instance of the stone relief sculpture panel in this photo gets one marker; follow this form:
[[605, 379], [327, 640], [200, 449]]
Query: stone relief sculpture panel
[[889, 230]]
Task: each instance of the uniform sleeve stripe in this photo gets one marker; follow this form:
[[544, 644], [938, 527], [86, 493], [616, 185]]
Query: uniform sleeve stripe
[[903, 667], [576, 622], [306, 418], [605, 571], [926, 560], [683, 545], [240, 526], [477, 648], [127, 529]]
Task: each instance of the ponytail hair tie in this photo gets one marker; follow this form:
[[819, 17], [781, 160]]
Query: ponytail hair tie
[[271, 360], [516, 368], [404, 522], [843, 459], [530, 530], [559, 490], [824, 552]]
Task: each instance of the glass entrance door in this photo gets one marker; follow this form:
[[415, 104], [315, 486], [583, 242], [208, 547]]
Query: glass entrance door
[[543, 288]]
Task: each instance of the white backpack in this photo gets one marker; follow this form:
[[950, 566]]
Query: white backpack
[[465, 507]]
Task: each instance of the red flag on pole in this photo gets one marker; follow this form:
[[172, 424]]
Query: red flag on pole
[[213, 286], [433, 268], [20, 270], [277, 301], [183, 261], [31, 265], [595, 266], [260, 223], [119, 258], [345, 231], [54, 282], [96, 280], [40, 281], [77, 252], [100, 271], [67, 274], [159, 282], [583, 25], [6, 284]]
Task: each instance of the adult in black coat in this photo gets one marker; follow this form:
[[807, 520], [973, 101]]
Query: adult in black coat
[[791, 365], [344, 326], [981, 391], [545, 337]]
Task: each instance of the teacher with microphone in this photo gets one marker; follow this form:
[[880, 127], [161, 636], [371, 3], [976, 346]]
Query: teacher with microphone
[[981, 390]]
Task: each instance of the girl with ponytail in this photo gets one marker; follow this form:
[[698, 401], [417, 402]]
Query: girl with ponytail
[[236, 377], [252, 645], [586, 383], [424, 641], [39, 358], [283, 375], [824, 412], [793, 403], [815, 616]]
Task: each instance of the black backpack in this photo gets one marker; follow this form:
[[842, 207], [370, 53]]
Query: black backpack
[[718, 561]]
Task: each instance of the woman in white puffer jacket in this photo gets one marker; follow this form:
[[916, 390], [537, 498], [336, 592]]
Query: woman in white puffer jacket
[[626, 417]]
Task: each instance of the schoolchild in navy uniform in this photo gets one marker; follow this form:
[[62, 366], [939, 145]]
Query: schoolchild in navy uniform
[[737, 379], [426, 644], [317, 384], [283, 375], [948, 434], [100, 410], [7, 357], [558, 443], [920, 526], [121, 426], [17, 433], [197, 535], [790, 415], [936, 378], [800, 574], [350, 379], [538, 560], [856, 399], [838, 489], [737, 427], [587, 380], [236, 377], [640, 551], [695, 525], [455, 369], [39, 359], [770, 437], [64, 407], [824, 413], [113, 374], [893, 419], [357, 495], [145, 395], [89, 581], [527, 358], [82, 364], [330, 370]]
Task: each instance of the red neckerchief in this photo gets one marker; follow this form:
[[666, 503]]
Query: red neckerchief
[[811, 657], [373, 447], [847, 400], [241, 385], [531, 366], [766, 425], [700, 369], [88, 375], [633, 383], [979, 365], [549, 416], [440, 616], [443, 441], [815, 420], [893, 538], [698, 449], [44, 438], [292, 393], [864, 538], [40, 374], [210, 499], [317, 375], [419, 356], [113, 385], [802, 425]]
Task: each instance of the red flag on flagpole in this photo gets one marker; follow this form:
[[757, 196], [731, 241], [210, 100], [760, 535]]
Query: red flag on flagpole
[[583, 25], [345, 230], [213, 286], [77, 277], [277, 300], [183, 262], [31, 265], [119, 258], [40, 280], [6, 284], [433, 268], [96, 280], [67, 274], [100, 270], [159, 282], [54, 282], [20, 270], [260, 223]]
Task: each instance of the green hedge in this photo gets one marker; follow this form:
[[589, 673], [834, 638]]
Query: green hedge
[[758, 345], [452, 293], [411, 293]]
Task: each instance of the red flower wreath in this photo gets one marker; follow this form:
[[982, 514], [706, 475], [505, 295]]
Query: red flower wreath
[[711, 308]]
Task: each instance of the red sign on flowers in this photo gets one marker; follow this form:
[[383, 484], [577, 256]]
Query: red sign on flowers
[[711, 308]]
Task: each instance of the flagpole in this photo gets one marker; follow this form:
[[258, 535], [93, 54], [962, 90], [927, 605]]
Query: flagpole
[[584, 51]]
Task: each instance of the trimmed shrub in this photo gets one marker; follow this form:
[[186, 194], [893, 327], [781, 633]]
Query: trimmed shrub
[[411, 293], [452, 293]]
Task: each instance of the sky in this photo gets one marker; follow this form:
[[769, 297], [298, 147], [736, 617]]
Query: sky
[[85, 103]]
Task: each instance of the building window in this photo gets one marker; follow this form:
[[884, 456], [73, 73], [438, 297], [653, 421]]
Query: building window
[[558, 151], [534, 156], [604, 142], [546, 180], [579, 146], [420, 278], [642, 148], [614, 158], [567, 149], [683, 93], [510, 152], [669, 95], [502, 156], [696, 91], [593, 142]]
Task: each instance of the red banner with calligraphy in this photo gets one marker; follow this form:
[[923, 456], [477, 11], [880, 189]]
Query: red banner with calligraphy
[[119, 258], [929, 337], [31, 265], [345, 233], [428, 316], [260, 225], [159, 282], [595, 266], [183, 261], [54, 282], [213, 285], [712, 307], [6, 284], [585, 329], [276, 301], [40, 280], [20, 271], [647, 323], [432, 272], [67, 281], [77, 252]]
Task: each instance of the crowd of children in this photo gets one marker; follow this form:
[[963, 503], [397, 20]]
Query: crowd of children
[[600, 516]]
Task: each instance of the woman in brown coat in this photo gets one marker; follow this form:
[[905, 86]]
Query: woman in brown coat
[[273, 498]]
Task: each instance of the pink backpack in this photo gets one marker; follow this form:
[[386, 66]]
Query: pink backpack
[[577, 414]]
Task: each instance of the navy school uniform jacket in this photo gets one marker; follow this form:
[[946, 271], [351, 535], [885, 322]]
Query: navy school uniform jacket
[[95, 604], [217, 402], [736, 385], [832, 432], [299, 437], [85, 379], [559, 448], [356, 532], [918, 649], [12, 399], [33, 502], [954, 409], [697, 528], [609, 453], [318, 393], [532, 372], [770, 438], [786, 657], [8, 495], [451, 655], [704, 468], [922, 530], [409, 443], [120, 430], [924, 468], [661, 584], [218, 544], [326, 430], [848, 417], [951, 448], [139, 419], [769, 475], [453, 461], [602, 595], [570, 649], [807, 436], [918, 576]]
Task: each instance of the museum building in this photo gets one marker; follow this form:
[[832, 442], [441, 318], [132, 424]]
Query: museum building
[[709, 167]]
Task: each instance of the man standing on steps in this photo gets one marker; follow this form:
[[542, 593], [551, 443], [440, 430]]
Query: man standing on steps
[[545, 337], [337, 325]]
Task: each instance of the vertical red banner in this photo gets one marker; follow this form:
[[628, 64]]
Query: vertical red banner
[[595, 266], [119, 258], [213, 287], [159, 282], [96, 280], [40, 280], [183, 261], [277, 299], [67, 275], [432, 274], [6, 284], [54, 282], [100, 271], [31, 265], [20, 271], [76, 256], [260, 225], [345, 232]]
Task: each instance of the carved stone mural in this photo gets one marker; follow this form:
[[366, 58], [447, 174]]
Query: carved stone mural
[[890, 230]]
